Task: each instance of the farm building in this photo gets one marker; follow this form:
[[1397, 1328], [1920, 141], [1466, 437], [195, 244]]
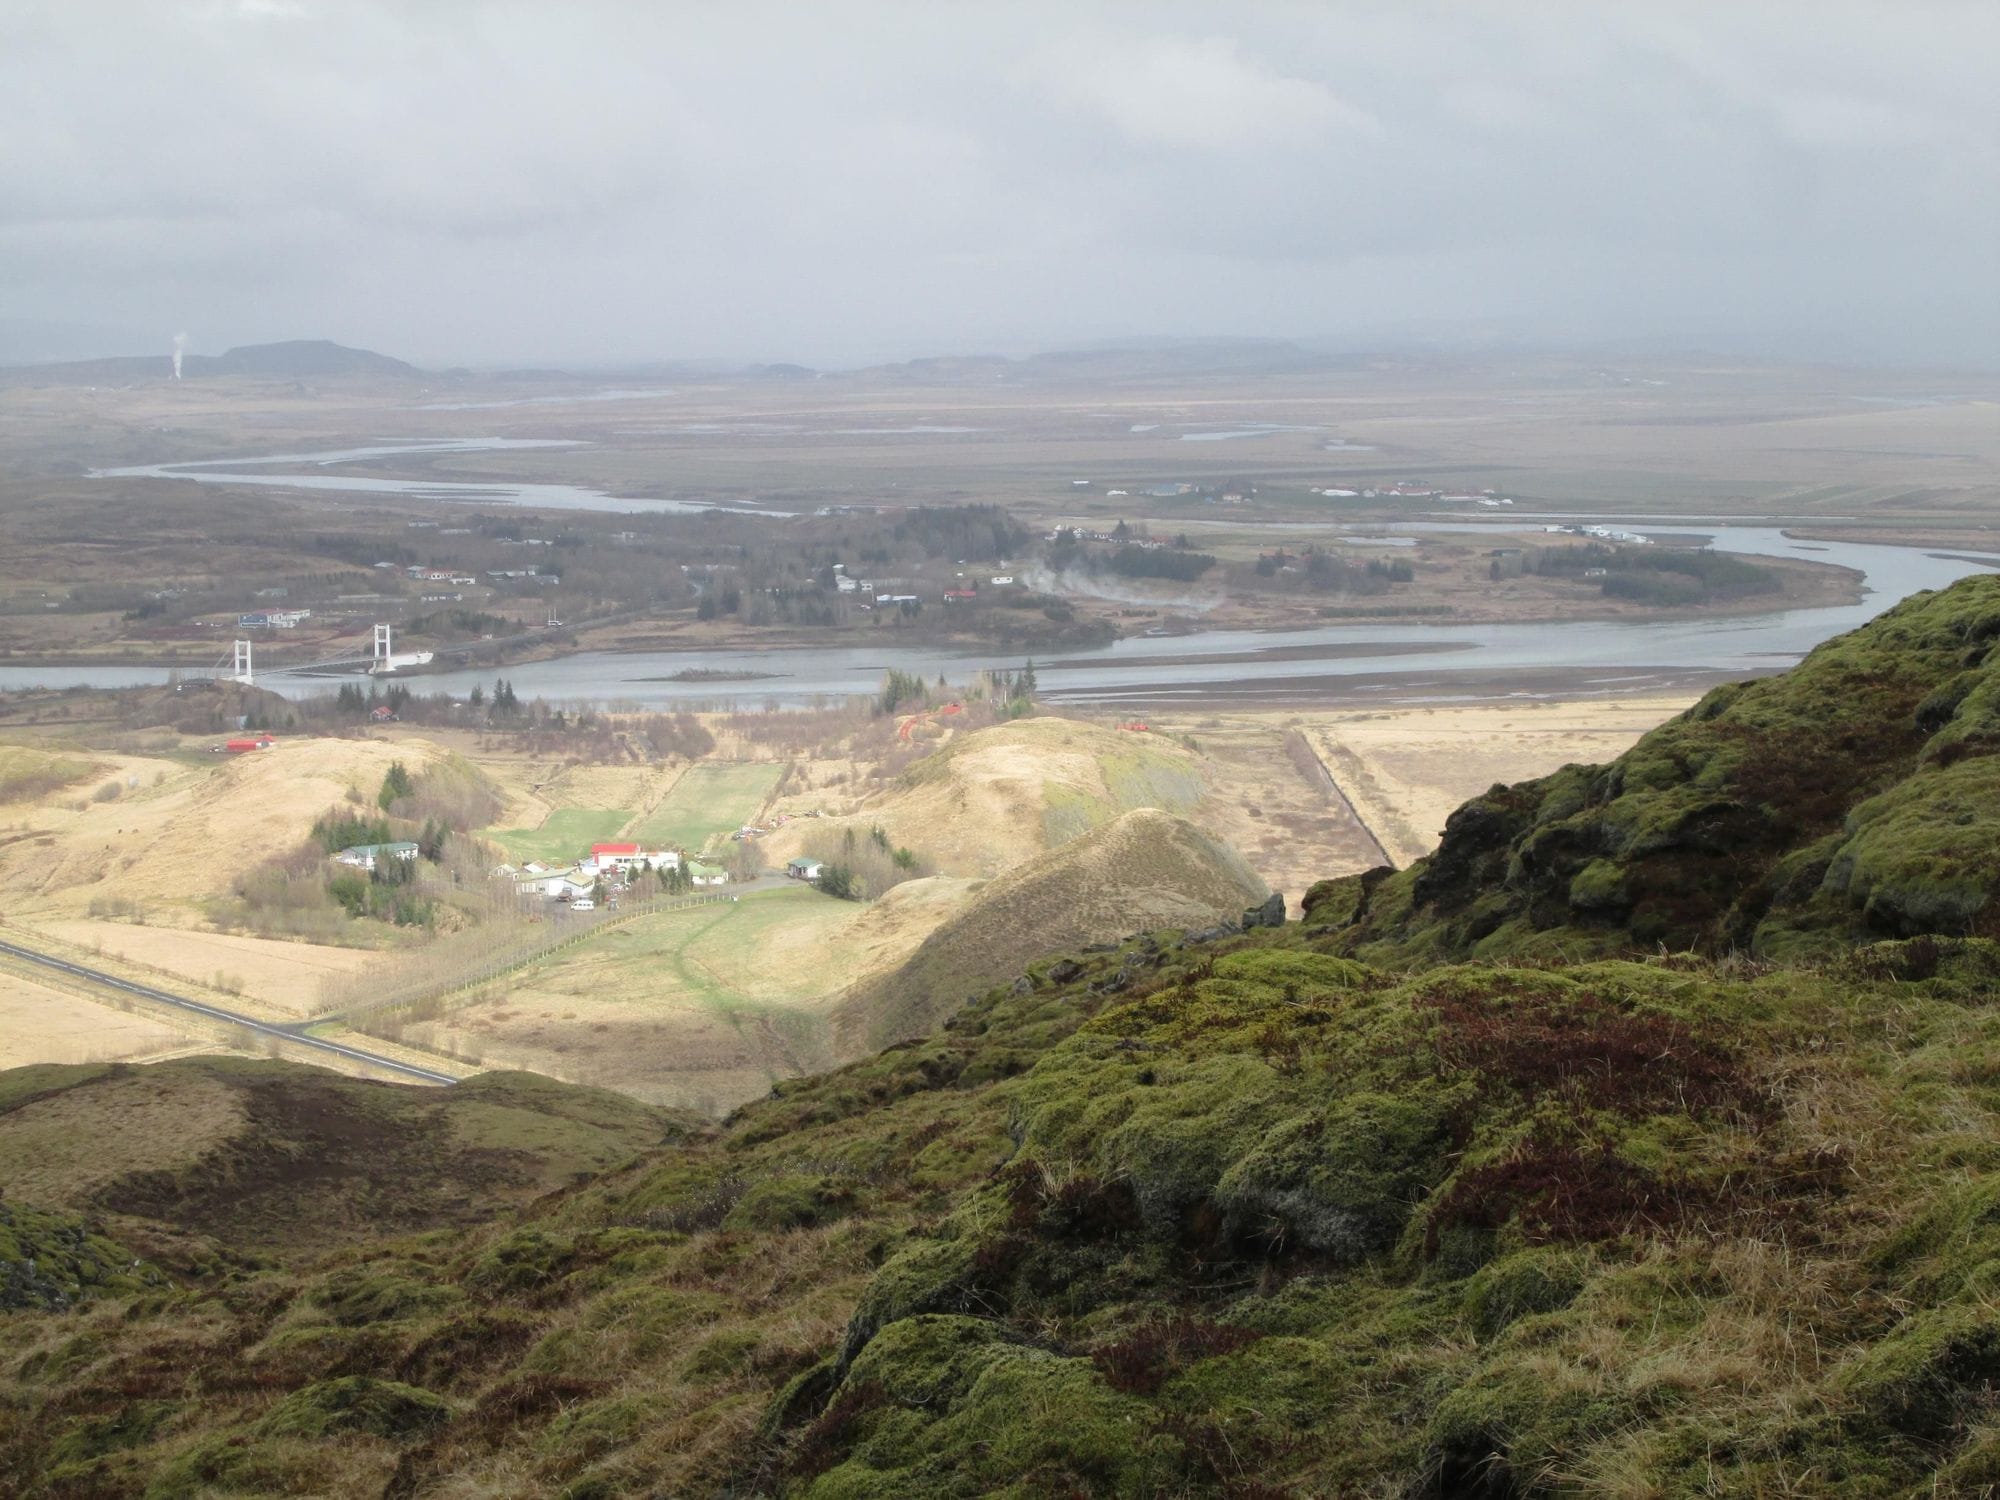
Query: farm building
[[805, 869], [364, 856], [700, 874], [554, 884], [251, 742], [630, 857]]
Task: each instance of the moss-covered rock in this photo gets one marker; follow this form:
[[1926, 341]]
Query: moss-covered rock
[[53, 1260], [1849, 798]]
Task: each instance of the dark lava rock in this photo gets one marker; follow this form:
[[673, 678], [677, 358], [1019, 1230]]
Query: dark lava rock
[[1270, 914]]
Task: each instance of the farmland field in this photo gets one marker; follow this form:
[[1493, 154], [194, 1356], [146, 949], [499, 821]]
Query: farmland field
[[702, 1008], [565, 835], [40, 1023], [709, 801]]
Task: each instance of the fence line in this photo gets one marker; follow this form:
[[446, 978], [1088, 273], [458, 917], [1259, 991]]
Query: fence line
[[352, 996]]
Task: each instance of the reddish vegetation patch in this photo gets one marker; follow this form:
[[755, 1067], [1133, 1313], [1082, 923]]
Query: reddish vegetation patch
[[1560, 1190], [1140, 1363], [833, 1431], [1588, 1049], [1084, 1208]]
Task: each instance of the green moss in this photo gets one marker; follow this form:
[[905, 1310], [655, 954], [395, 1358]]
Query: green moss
[[130, 1426], [525, 1260], [1712, 830], [928, 1361], [591, 1430], [1340, 1179], [793, 1201], [52, 1261], [1931, 1373], [357, 1403], [359, 1295], [1522, 1285], [1599, 887], [1027, 1423]]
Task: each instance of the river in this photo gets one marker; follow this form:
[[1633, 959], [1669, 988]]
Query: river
[[1395, 662]]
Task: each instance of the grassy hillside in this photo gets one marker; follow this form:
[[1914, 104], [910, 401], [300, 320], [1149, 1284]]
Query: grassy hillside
[[1269, 1222], [1144, 869], [264, 1155], [1248, 1217], [1851, 799], [988, 800]]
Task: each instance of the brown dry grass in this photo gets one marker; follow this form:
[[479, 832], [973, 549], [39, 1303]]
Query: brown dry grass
[[285, 976], [1147, 869], [59, 1150], [42, 1024], [1407, 770], [181, 833], [986, 801]]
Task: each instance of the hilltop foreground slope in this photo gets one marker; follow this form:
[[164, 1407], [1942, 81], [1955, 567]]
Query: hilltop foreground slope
[[1145, 868], [1855, 797], [1246, 1217]]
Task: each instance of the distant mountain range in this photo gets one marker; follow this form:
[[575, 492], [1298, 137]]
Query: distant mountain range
[[292, 359]]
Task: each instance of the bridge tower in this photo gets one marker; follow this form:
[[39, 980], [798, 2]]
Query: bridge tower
[[384, 646], [241, 670]]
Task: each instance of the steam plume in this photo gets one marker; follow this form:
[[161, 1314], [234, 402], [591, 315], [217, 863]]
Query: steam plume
[[180, 344]]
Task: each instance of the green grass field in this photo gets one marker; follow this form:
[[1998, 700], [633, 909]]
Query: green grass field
[[567, 834], [709, 802], [724, 957]]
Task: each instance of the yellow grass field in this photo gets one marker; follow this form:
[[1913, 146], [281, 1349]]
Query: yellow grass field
[[284, 976], [1407, 770], [180, 831], [42, 1024], [987, 801]]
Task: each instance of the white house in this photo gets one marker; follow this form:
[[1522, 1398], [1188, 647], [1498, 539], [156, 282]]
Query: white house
[[364, 856]]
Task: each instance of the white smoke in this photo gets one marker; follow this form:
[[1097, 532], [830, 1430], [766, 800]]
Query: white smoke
[[1080, 585], [180, 347]]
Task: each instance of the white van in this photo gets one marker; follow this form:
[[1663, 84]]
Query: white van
[[583, 903]]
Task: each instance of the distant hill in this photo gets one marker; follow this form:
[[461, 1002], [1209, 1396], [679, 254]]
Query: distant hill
[[291, 359], [259, 1154], [307, 358], [1143, 870], [1133, 361]]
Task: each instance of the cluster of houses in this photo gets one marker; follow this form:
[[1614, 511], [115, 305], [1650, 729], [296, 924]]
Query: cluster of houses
[[1603, 534], [272, 619], [612, 864], [868, 593], [1411, 489]]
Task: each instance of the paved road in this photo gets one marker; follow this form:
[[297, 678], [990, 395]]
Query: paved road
[[291, 1034]]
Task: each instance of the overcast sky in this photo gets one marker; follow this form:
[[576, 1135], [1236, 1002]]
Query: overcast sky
[[462, 181]]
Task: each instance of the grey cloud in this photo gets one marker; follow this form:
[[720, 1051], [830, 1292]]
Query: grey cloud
[[460, 180]]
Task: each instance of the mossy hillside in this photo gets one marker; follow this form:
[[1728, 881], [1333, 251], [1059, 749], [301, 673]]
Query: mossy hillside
[[1252, 1216], [1269, 1214], [1847, 800]]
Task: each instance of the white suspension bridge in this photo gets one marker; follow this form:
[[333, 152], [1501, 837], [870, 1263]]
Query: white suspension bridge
[[382, 658]]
